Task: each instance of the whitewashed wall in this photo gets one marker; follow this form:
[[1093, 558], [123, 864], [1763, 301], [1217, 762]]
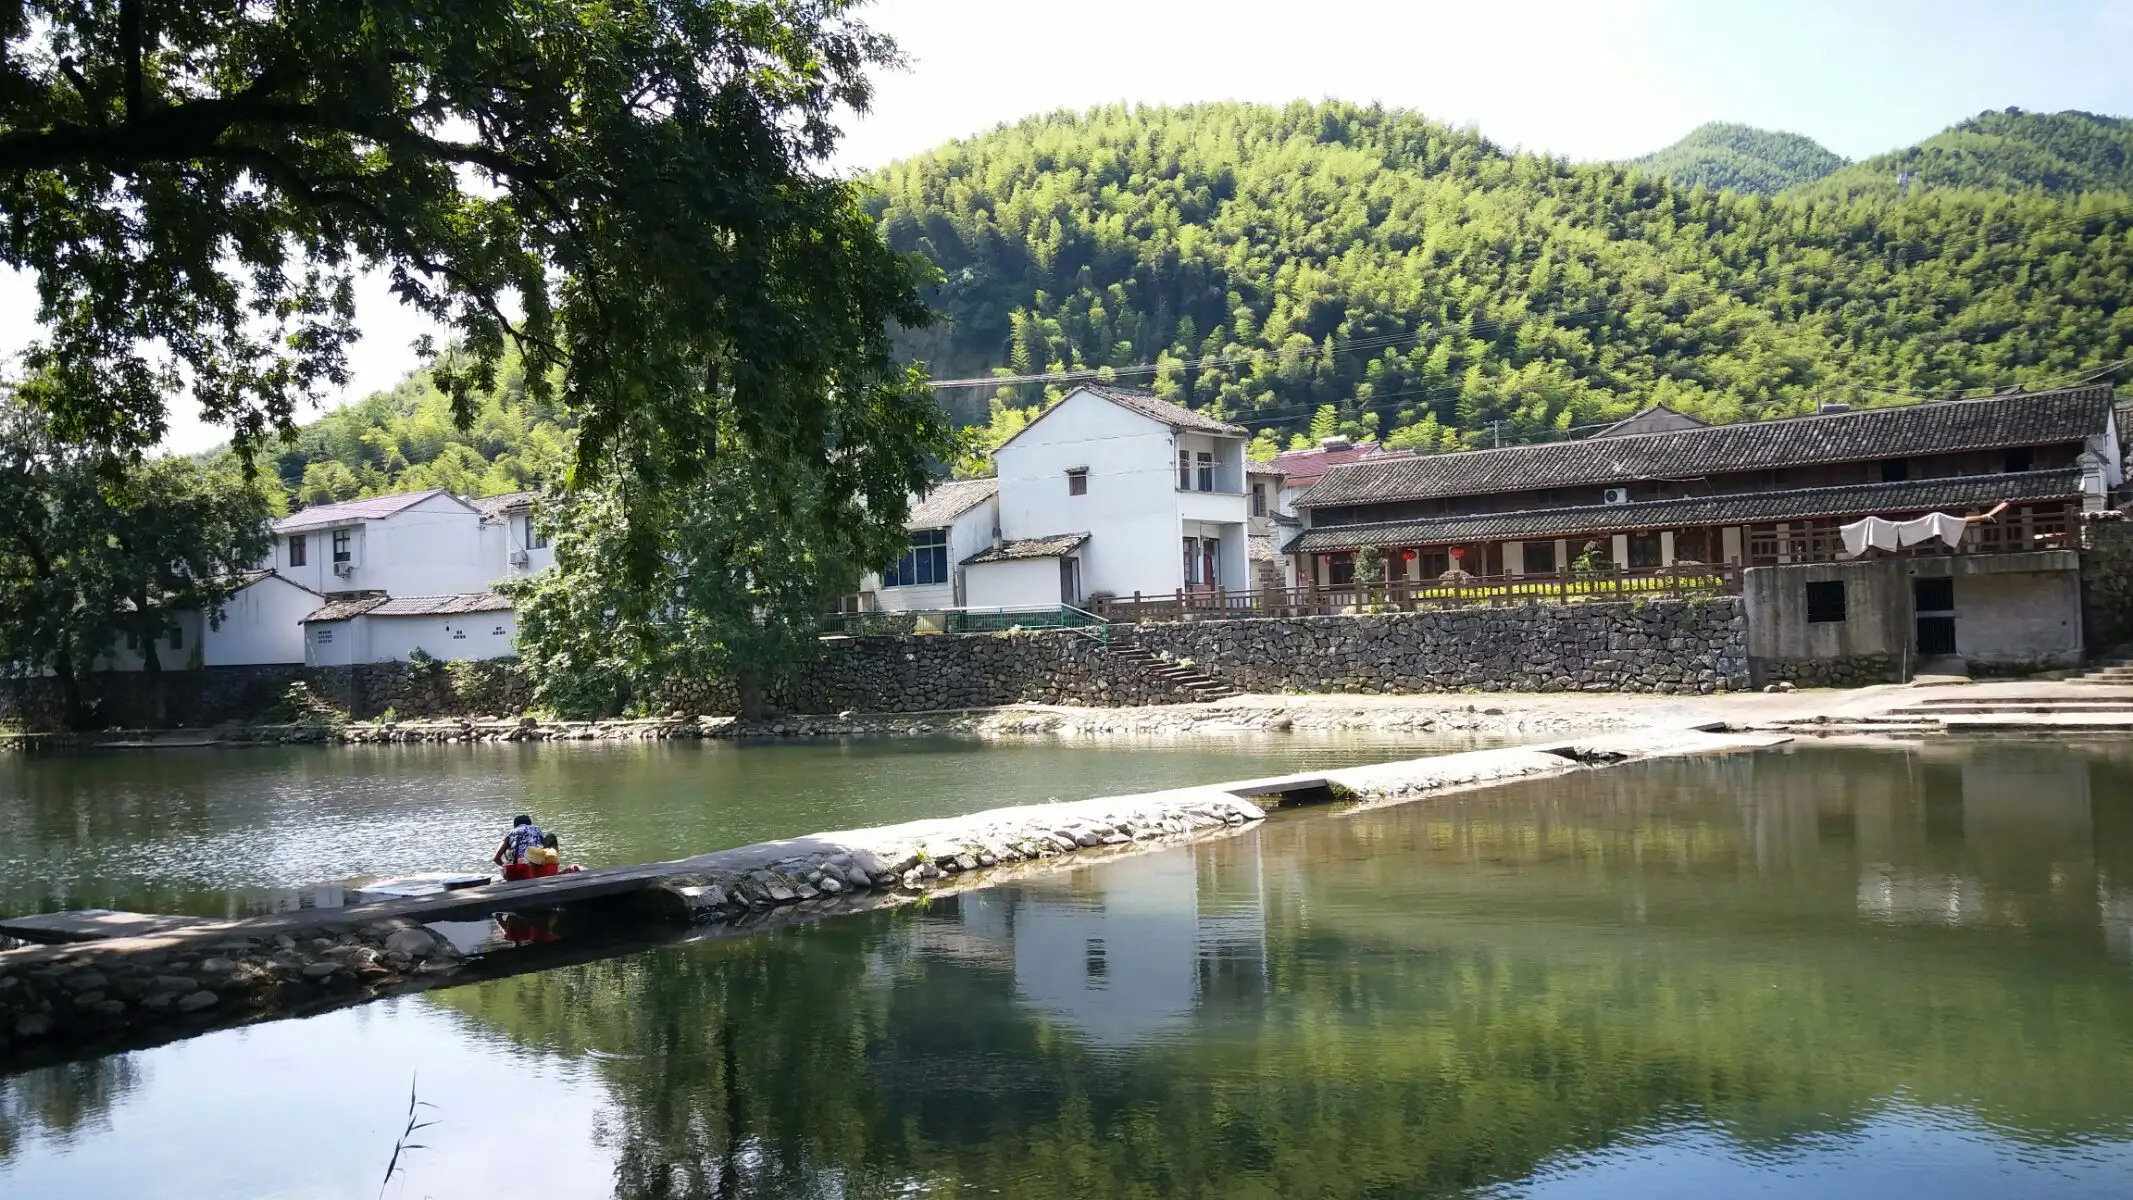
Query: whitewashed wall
[[263, 623], [173, 652], [333, 644], [1020, 583], [453, 636]]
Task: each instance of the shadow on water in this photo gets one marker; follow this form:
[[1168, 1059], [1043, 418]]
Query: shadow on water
[[1810, 972]]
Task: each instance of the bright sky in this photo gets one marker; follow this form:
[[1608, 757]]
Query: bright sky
[[1582, 79]]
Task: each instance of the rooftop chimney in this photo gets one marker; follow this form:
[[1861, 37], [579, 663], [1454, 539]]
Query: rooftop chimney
[[1336, 442]]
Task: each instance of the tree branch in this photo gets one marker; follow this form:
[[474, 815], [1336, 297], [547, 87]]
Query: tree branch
[[130, 39]]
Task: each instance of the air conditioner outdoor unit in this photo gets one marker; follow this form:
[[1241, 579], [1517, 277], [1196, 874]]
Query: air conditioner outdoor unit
[[518, 558], [344, 569], [1615, 496]]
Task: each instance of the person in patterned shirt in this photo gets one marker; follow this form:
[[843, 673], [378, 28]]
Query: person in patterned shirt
[[511, 855]]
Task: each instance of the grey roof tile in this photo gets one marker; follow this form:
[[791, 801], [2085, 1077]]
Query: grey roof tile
[[1949, 426], [1155, 408], [352, 510], [1054, 546], [1866, 499], [949, 499]]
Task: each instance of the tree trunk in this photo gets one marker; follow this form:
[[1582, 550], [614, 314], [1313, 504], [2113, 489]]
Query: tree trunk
[[749, 687], [77, 716], [152, 666]]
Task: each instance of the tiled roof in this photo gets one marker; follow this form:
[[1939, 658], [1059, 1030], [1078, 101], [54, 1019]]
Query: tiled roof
[[246, 579], [1055, 546], [345, 607], [494, 508], [409, 606], [1155, 408], [1652, 418], [1866, 499], [352, 510], [950, 499], [1304, 467], [1949, 426], [430, 606]]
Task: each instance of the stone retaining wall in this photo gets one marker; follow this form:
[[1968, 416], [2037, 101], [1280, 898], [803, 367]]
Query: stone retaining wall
[[2106, 586], [1675, 646], [1856, 670]]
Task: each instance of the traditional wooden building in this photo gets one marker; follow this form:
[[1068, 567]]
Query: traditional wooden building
[[1664, 493]]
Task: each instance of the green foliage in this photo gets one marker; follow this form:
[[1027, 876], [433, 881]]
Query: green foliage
[[2010, 150], [1424, 283], [632, 197], [1741, 158], [299, 705], [748, 557], [94, 550]]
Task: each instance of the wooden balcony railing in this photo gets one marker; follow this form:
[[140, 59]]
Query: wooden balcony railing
[[1614, 583]]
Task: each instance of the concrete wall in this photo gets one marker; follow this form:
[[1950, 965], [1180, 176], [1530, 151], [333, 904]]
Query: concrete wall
[[478, 635], [261, 624], [2013, 613], [513, 534]]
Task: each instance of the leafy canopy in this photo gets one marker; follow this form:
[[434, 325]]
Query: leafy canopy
[[627, 195], [94, 551]]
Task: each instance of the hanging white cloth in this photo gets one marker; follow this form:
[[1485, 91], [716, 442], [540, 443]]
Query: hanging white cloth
[[1884, 534], [1873, 531]]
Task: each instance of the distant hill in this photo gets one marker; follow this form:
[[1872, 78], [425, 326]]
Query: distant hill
[[1742, 158], [2011, 150]]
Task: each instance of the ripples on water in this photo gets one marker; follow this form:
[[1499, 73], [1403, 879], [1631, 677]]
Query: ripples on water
[[1809, 973]]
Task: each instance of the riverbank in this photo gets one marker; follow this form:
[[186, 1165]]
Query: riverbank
[[69, 1001], [1501, 713]]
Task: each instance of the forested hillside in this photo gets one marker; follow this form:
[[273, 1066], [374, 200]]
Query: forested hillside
[[1425, 284], [1322, 267], [1742, 158], [2060, 153]]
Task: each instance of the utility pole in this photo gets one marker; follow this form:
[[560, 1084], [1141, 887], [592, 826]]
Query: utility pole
[[1496, 434]]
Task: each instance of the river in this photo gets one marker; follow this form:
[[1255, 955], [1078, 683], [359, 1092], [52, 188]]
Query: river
[[1808, 972]]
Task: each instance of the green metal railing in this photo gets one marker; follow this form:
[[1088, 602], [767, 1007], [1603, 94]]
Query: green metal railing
[[967, 620]]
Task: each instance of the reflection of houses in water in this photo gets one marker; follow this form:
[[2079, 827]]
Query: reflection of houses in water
[[1892, 894], [1128, 951]]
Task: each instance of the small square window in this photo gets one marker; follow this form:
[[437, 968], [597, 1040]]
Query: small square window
[[1825, 602], [322, 636], [1077, 481]]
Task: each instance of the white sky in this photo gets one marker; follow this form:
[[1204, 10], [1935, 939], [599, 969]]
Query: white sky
[[1583, 79]]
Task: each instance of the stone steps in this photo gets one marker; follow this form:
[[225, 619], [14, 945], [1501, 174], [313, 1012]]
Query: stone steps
[[1198, 684]]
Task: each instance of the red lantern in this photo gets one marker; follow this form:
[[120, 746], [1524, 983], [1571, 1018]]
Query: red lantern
[[1407, 556], [1458, 553]]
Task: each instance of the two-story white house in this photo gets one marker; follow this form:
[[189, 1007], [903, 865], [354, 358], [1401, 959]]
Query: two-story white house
[[411, 544], [1111, 491], [510, 541]]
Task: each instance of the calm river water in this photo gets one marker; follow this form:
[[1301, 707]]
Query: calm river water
[[1811, 972]]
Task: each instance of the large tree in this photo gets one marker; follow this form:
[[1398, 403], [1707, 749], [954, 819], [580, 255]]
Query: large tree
[[95, 553], [629, 194], [746, 559]]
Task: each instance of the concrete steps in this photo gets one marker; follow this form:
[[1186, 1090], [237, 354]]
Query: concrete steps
[[1197, 684], [2118, 671]]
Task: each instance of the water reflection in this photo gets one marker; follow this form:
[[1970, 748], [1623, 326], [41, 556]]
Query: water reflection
[[1813, 973]]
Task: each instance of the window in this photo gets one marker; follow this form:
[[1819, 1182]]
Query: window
[[536, 537], [1077, 481], [2020, 458], [926, 562], [341, 542], [177, 637], [1895, 470], [1540, 558], [1934, 594], [296, 549], [1644, 549], [1258, 499], [1192, 561], [321, 636], [1340, 569], [1184, 470], [1207, 471], [1825, 602]]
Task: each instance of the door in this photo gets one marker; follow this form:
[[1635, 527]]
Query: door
[[1070, 581], [1933, 602], [1210, 563]]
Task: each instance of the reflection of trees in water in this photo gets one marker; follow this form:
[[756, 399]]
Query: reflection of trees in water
[[1379, 1050], [56, 1101]]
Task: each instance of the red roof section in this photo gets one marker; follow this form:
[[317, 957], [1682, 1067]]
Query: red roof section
[[1303, 467]]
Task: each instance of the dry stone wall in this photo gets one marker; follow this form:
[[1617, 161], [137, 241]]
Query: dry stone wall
[[1674, 646], [2106, 584]]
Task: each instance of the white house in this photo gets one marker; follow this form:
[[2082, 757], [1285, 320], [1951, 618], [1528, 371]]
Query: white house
[[1110, 491], [367, 629], [411, 544], [261, 623], [950, 524], [509, 541]]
